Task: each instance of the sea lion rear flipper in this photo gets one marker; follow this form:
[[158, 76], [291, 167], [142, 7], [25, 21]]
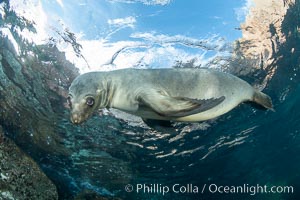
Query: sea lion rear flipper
[[263, 100], [167, 106]]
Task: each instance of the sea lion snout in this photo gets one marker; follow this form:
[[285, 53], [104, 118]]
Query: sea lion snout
[[80, 110], [76, 118]]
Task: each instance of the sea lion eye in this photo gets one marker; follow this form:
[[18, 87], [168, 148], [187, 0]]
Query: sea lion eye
[[90, 101], [69, 101]]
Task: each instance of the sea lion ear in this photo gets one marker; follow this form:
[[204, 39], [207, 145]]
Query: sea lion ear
[[98, 91], [102, 94]]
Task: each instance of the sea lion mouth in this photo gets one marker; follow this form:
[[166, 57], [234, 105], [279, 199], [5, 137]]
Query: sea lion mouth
[[77, 122], [77, 118]]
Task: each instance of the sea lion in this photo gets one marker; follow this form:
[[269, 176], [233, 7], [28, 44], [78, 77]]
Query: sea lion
[[187, 95]]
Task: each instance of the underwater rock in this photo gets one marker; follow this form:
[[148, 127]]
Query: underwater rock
[[32, 95], [20, 176], [34, 80]]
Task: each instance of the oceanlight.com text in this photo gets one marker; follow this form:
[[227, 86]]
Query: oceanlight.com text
[[250, 189]]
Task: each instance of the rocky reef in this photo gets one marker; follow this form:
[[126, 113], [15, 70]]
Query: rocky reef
[[31, 91], [264, 36], [33, 86], [20, 176]]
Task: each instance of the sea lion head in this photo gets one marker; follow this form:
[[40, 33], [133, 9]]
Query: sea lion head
[[87, 93]]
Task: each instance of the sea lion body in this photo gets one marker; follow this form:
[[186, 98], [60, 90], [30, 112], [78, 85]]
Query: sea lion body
[[188, 95]]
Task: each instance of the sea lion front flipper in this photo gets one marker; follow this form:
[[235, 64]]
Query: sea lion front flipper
[[199, 105], [167, 106]]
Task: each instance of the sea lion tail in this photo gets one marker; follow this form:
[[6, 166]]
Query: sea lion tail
[[263, 100]]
